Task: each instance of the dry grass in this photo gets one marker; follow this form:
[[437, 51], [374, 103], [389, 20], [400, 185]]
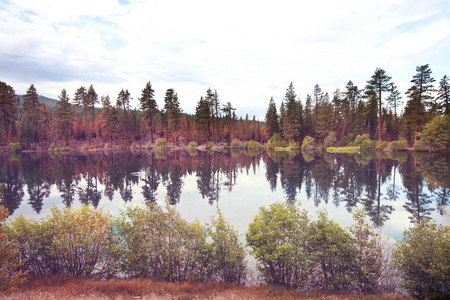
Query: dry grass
[[77, 288]]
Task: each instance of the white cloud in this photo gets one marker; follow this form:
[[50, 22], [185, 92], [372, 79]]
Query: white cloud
[[247, 50]]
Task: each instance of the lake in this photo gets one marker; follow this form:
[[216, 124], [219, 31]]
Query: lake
[[396, 189]]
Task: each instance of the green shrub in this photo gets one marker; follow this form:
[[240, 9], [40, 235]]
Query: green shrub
[[308, 143], [277, 239], [10, 276], [348, 140], [161, 143], [368, 145], [228, 255], [400, 145], [160, 244], [435, 135], [210, 146], [293, 145], [333, 254], [15, 147], [68, 242], [276, 141], [347, 149], [236, 144], [253, 145], [359, 139], [423, 259], [192, 145], [330, 140], [420, 147], [381, 146], [291, 250]]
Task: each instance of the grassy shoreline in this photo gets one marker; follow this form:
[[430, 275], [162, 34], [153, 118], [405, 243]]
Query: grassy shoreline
[[138, 288]]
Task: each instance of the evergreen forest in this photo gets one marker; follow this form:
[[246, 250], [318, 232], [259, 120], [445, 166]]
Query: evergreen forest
[[377, 112]]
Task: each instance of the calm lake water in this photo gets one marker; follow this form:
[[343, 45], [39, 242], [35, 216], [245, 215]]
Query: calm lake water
[[395, 189]]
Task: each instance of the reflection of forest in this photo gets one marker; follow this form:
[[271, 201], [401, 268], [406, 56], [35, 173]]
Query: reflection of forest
[[371, 180]]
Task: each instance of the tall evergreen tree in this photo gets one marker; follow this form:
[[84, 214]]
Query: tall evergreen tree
[[443, 96], [216, 113], [31, 107], [371, 110], [63, 116], [378, 84], [308, 122], [420, 97], [352, 96], [123, 100], [9, 106], [230, 119], [79, 98], [149, 107], [394, 101], [324, 117], [172, 112], [272, 118], [91, 99], [291, 125], [203, 117]]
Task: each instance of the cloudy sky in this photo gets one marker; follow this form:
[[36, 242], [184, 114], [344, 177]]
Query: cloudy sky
[[248, 51]]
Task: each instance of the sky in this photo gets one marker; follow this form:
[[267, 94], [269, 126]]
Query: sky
[[249, 51]]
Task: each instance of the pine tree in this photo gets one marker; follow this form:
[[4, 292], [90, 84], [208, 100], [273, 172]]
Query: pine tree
[[230, 119], [31, 104], [352, 96], [123, 100], [308, 122], [79, 98], [216, 113], [444, 95], [172, 112], [203, 117], [378, 84], [420, 97], [291, 129], [394, 102], [91, 100], [282, 118], [31, 107], [63, 116], [324, 122], [9, 107], [149, 107], [272, 118]]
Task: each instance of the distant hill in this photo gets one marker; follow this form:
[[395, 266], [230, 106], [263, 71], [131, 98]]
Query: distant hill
[[51, 103]]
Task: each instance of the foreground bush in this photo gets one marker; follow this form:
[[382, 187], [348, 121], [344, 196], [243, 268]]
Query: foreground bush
[[149, 242], [10, 276], [423, 259], [161, 245], [295, 252], [277, 238], [67, 242]]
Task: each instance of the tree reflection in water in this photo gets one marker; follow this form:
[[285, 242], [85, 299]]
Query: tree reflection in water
[[374, 181]]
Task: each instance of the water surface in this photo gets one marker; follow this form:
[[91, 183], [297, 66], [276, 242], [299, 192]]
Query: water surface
[[396, 189]]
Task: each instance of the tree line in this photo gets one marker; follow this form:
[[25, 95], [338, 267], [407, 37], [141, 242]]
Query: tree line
[[373, 110]]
